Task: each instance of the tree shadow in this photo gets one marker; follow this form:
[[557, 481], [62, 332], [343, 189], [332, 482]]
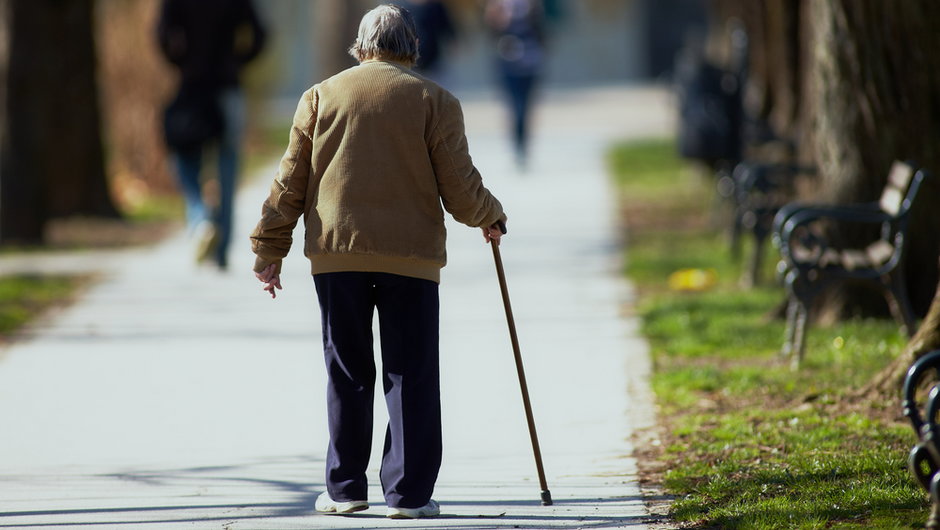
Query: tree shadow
[[208, 494]]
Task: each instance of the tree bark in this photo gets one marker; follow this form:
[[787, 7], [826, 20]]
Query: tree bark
[[22, 208], [857, 82], [54, 163], [888, 382], [773, 83], [873, 98], [338, 28], [136, 83], [783, 55]]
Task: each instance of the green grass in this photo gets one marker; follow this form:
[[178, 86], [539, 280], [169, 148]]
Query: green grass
[[156, 209], [747, 442], [644, 164], [24, 297], [267, 143], [642, 167]]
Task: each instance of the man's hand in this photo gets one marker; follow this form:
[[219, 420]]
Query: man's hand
[[270, 279], [492, 233]]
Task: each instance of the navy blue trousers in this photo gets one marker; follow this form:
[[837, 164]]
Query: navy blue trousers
[[408, 310], [519, 88]]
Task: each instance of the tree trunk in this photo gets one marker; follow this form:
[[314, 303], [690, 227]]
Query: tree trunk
[[772, 87], [135, 84], [888, 382], [22, 208], [773, 80], [53, 164], [338, 28], [873, 98], [857, 83]]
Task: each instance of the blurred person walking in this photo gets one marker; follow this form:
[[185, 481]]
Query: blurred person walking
[[209, 41], [517, 26], [435, 29], [374, 153]]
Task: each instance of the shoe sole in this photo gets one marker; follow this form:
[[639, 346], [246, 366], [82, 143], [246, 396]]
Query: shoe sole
[[343, 510], [398, 514]]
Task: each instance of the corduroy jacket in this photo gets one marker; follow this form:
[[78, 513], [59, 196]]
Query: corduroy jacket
[[374, 153]]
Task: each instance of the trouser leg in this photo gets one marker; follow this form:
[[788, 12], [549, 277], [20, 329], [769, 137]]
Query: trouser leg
[[409, 328], [188, 166], [228, 168], [346, 307], [229, 146], [520, 94]]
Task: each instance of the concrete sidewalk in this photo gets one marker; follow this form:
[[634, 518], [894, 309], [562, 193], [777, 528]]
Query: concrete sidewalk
[[175, 397]]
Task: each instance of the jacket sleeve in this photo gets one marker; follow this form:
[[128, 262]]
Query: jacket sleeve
[[250, 21], [271, 238], [458, 181]]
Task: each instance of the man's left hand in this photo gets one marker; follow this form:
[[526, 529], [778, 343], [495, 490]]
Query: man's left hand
[[270, 279]]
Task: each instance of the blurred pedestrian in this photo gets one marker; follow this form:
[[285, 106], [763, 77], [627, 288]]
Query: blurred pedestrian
[[435, 29], [374, 153], [209, 41], [517, 28]]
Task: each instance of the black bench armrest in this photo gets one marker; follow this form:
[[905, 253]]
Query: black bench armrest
[[860, 214], [810, 211]]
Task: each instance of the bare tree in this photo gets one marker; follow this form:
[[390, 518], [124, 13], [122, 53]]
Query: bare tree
[[53, 161]]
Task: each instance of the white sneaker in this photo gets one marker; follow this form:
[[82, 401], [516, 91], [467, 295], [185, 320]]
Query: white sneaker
[[431, 509], [205, 239], [325, 504]]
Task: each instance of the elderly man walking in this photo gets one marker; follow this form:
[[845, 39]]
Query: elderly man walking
[[374, 152]]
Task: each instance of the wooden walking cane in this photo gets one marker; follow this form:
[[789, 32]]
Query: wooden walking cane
[[546, 495]]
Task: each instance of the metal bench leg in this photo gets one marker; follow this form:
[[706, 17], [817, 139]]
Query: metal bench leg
[[801, 293], [921, 466], [794, 344], [898, 301], [757, 261], [792, 309], [934, 520], [799, 334], [735, 236]]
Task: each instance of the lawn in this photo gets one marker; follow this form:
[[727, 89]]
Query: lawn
[[746, 442], [22, 297]]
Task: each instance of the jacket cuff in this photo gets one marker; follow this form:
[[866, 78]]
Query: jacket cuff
[[502, 217], [262, 263]]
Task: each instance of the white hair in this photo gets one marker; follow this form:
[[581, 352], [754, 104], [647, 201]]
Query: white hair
[[387, 32]]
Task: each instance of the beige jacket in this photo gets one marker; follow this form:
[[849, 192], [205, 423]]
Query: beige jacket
[[374, 152]]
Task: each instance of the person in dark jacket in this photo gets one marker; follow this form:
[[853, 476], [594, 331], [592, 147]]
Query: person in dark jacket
[[520, 55], [209, 41], [435, 29]]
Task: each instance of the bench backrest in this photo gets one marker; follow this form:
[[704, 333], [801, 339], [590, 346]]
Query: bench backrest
[[899, 179]]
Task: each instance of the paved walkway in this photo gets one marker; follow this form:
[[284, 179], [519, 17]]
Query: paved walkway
[[175, 397]]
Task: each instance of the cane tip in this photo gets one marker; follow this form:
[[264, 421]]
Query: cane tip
[[546, 498]]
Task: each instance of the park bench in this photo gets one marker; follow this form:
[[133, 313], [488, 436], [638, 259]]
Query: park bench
[[809, 263], [709, 98], [924, 459], [757, 190]]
